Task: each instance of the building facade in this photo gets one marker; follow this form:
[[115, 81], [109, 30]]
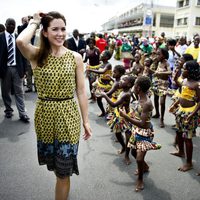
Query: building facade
[[150, 20], [144, 19], [187, 18]]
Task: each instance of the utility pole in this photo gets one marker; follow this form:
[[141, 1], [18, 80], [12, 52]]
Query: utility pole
[[148, 20], [150, 27]]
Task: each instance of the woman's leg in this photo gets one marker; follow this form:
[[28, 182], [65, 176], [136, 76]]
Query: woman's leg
[[62, 188], [189, 152], [100, 104], [162, 104], [140, 163], [90, 85], [156, 106], [120, 138]]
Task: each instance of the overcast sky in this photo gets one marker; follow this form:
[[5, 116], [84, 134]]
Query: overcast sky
[[85, 15]]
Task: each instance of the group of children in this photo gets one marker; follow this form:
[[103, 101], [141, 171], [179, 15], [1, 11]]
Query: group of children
[[128, 95]]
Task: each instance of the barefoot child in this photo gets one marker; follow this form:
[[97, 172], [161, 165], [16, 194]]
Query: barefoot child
[[160, 84], [104, 82], [116, 122], [114, 92], [176, 74], [93, 56], [141, 139], [187, 113]]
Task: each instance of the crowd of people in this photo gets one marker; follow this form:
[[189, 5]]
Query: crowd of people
[[151, 69]]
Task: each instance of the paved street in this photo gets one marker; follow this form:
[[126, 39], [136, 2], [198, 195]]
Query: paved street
[[103, 174]]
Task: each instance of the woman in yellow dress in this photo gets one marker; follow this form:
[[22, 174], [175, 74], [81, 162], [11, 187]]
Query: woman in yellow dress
[[58, 73]]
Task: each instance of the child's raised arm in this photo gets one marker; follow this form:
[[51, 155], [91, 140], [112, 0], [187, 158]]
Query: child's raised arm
[[117, 103], [114, 88]]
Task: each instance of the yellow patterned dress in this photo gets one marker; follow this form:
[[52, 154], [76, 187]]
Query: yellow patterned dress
[[57, 119]]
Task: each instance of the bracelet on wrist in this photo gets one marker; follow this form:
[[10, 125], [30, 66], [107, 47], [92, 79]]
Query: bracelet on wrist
[[36, 23]]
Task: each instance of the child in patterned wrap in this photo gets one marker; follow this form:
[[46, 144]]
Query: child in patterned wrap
[[116, 123], [187, 113], [141, 139]]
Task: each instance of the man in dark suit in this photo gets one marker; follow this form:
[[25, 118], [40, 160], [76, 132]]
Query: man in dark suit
[[29, 72], [75, 43], [12, 71]]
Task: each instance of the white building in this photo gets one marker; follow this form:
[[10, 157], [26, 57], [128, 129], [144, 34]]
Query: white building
[[150, 20], [144, 19], [187, 18]]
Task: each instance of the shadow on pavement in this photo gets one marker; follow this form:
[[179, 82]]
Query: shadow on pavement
[[13, 129]]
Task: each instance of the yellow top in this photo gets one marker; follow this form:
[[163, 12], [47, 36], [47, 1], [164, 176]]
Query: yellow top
[[104, 75], [187, 93]]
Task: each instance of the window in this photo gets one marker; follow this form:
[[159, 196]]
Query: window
[[180, 4], [179, 22], [166, 21], [182, 21], [185, 21], [197, 21], [183, 3], [186, 3]]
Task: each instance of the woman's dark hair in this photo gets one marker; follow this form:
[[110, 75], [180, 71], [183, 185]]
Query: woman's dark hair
[[120, 69], [144, 83], [187, 57], [44, 42], [165, 53], [193, 69]]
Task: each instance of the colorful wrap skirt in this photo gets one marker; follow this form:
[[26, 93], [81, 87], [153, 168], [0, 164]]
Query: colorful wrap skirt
[[142, 139], [187, 128], [99, 86], [117, 123], [160, 87]]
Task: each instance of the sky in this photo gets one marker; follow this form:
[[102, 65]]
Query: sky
[[84, 15]]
